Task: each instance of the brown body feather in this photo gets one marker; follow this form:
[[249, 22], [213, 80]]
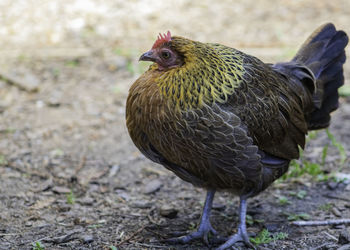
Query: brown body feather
[[216, 145]]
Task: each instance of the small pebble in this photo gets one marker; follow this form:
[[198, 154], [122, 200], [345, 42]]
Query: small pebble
[[344, 237], [87, 238], [218, 206], [345, 247], [153, 186], [60, 190], [345, 178], [53, 101], [185, 195], [62, 208], [88, 201], [123, 195], [23, 79], [168, 211], [332, 185], [44, 185], [29, 224], [113, 171], [141, 204], [336, 211]]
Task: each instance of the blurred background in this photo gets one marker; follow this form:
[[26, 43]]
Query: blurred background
[[65, 68], [108, 25]]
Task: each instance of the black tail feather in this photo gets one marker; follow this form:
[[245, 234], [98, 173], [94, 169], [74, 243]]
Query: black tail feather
[[324, 54]]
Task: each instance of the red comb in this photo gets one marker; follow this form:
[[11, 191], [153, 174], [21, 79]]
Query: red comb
[[162, 39]]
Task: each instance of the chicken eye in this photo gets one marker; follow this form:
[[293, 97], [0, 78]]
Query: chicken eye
[[165, 54]]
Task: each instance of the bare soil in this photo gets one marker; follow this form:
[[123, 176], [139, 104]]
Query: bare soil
[[71, 178]]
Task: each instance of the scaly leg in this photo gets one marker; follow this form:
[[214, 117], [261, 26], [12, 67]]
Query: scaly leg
[[241, 235], [204, 228]]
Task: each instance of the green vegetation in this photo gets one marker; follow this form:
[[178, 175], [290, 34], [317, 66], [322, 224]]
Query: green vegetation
[[300, 216], [71, 198], [192, 226], [7, 130], [312, 168], [113, 248], [300, 195], [339, 146], [324, 154], [344, 91], [326, 207], [265, 237], [250, 220], [302, 166], [38, 246], [280, 236], [312, 135], [3, 160], [282, 200], [73, 63], [298, 168]]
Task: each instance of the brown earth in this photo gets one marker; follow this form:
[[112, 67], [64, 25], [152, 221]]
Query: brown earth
[[70, 176]]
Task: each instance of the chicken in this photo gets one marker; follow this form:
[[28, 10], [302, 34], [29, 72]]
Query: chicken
[[224, 120]]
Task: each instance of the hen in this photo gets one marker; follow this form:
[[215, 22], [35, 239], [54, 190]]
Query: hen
[[224, 120]]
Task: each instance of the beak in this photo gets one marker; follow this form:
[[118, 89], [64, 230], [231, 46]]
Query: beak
[[148, 56]]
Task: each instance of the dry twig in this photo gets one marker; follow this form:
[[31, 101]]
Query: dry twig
[[332, 196], [152, 220], [130, 237], [331, 236], [11, 234], [156, 233], [321, 223]]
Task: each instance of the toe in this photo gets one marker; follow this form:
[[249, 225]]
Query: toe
[[184, 239], [207, 232], [205, 239], [233, 240], [202, 233], [213, 231]]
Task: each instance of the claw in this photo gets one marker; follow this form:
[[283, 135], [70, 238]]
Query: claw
[[202, 233], [241, 235], [205, 228], [206, 234]]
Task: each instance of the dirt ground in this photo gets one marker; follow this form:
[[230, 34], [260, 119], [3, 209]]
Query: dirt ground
[[70, 177]]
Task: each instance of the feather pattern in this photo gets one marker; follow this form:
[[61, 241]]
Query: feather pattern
[[224, 119]]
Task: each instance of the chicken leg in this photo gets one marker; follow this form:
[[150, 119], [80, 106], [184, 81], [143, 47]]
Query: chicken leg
[[241, 235], [204, 227]]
